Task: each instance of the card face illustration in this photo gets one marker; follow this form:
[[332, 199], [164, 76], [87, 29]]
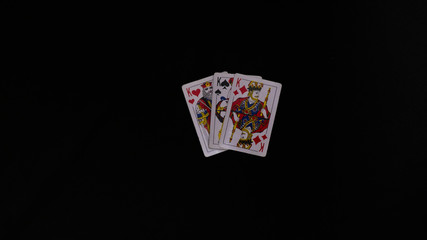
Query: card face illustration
[[221, 86], [198, 95], [250, 114], [222, 83]]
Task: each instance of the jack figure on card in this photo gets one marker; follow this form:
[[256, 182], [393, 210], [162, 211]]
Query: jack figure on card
[[250, 115]]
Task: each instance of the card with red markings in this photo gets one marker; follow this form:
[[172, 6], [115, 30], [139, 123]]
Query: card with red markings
[[198, 95], [250, 115], [221, 89], [242, 116]]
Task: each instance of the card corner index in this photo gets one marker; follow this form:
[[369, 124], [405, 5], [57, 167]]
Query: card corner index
[[184, 88], [186, 84]]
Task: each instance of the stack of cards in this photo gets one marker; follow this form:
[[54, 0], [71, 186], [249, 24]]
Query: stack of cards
[[233, 112]]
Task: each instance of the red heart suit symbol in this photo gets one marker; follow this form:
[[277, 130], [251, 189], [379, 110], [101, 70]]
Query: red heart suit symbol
[[191, 101], [196, 92]]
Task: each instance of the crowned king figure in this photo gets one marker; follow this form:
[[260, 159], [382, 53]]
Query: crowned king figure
[[204, 105], [250, 115]]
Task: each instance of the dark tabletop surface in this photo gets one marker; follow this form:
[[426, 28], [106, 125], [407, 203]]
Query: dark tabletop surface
[[98, 141]]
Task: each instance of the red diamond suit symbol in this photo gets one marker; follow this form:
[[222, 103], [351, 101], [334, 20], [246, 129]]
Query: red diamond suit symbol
[[257, 140]]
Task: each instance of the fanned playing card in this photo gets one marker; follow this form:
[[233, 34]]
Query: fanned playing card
[[198, 95], [221, 86], [250, 114], [222, 83]]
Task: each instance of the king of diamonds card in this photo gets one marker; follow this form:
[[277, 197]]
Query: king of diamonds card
[[250, 115]]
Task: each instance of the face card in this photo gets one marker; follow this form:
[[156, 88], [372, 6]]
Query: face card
[[198, 95], [222, 83], [250, 115], [221, 86]]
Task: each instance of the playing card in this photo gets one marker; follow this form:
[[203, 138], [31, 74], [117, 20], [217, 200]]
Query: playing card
[[250, 114], [198, 95], [221, 88]]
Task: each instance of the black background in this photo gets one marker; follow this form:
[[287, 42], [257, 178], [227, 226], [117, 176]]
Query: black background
[[98, 141]]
